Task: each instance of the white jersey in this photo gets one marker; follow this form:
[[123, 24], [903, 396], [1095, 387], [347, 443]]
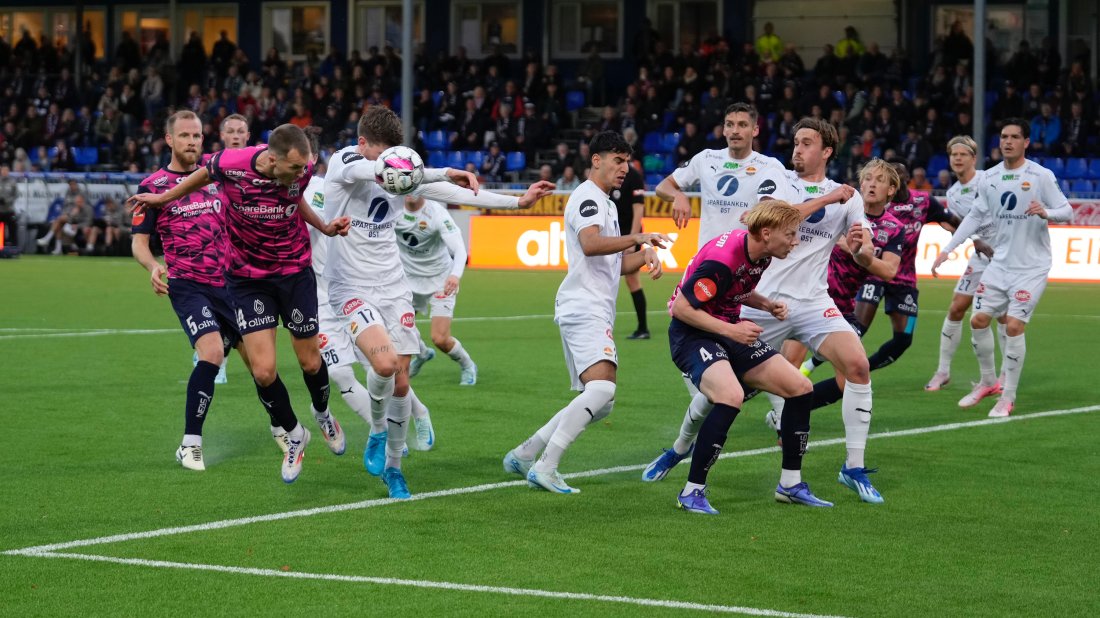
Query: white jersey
[[431, 244], [729, 187], [804, 272], [1021, 243], [314, 195], [592, 283], [961, 198]]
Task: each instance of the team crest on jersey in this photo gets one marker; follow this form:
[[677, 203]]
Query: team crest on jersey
[[408, 320], [832, 312], [1025, 186], [350, 306], [750, 170], [322, 340], [883, 235], [258, 307], [211, 188], [1023, 296], [293, 190], [423, 225], [609, 352], [160, 182], [354, 327], [206, 312], [296, 316]]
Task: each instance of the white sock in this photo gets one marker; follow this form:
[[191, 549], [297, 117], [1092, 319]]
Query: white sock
[[776, 401], [380, 390], [423, 348], [277, 431], [692, 390], [574, 420], [1015, 351], [949, 342], [297, 433], [354, 393], [1002, 338], [982, 340], [398, 411], [47, 238], [690, 487], [856, 411], [789, 478], [532, 446], [696, 413], [458, 353], [190, 439], [419, 410]]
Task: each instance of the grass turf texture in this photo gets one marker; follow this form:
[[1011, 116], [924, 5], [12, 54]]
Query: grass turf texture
[[993, 520]]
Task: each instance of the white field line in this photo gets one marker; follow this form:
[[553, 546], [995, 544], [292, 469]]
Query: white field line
[[366, 504], [416, 583], [40, 333]]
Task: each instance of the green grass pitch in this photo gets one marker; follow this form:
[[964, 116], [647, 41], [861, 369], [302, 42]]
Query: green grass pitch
[[986, 519]]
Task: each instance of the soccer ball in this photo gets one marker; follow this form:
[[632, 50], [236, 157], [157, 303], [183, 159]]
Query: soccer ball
[[399, 170]]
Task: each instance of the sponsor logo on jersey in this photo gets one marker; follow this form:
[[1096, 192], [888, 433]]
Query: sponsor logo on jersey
[[1010, 177], [235, 173], [832, 312], [450, 226], [705, 289], [261, 182], [727, 185], [812, 189], [1023, 296], [318, 201], [1008, 200], [139, 216], [408, 320], [766, 188], [730, 165], [290, 210], [322, 340], [350, 306], [258, 306], [296, 316], [589, 208], [350, 156]]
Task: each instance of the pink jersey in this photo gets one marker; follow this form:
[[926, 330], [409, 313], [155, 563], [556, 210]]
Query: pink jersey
[[267, 236], [914, 214], [191, 229], [721, 276], [845, 276]]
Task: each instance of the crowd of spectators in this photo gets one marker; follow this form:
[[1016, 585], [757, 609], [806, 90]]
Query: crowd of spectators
[[496, 105]]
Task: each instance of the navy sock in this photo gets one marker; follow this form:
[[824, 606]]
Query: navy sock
[[826, 392], [260, 394], [200, 392], [712, 437], [795, 430], [638, 296], [891, 350], [277, 401], [318, 387]]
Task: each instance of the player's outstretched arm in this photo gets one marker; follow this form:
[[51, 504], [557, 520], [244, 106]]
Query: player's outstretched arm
[[197, 180], [139, 245], [669, 191], [592, 244], [966, 229], [632, 262], [338, 226]]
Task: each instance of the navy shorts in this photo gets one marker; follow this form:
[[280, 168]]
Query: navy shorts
[[202, 309], [694, 351], [899, 298], [261, 302]]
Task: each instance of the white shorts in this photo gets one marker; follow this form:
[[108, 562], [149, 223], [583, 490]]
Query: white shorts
[[809, 321], [972, 276], [586, 340], [428, 296], [1006, 293], [387, 306]]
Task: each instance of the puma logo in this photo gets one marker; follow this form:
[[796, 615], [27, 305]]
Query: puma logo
[[349, 391], [1012, 358], [267, 404], [948, 336], [398, 423]]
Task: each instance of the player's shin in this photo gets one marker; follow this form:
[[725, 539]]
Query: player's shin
[[398, 413], [1015, 350], [856, 413], [712, 437], [826, 392], [796, 437], [982, 339], [200, 392], [318, 386], [353, 393], [380, 390], [277, 401], [949, 342], [697, 412], [574, 419]]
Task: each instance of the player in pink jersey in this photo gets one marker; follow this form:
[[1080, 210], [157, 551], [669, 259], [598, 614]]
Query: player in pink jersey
[[914, 209], [269, 274], [720, 352]]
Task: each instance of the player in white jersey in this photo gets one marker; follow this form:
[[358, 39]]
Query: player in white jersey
[[368, 286], [814, 320], [730, 179], [434, 256], [584, 310], [1016, 277], [748, 177], [962, 152]]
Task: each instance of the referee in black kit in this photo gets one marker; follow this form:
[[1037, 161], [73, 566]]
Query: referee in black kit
[[630, 202]]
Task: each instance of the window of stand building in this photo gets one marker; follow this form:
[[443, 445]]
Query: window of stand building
[[482, 26], [684, 22], [580, 26], [59, 26], [210, 22], [377, 24], [150, 27], [296, 29]]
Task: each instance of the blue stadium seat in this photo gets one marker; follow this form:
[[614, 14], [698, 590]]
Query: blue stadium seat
[[841, 98], [574, 100], [1076, 168], [670, 117], [935, 164], [437, 96], [52, 152], [652, 142], [1058, 166], [100, 208], [652, 180], [1080, 186], [456, 160], [476, 157], [437, 158], [990, 99], [1064, 185], [436, 140], [515, 161], [1094, 168], [87, 155], [55, 209], [669, 141]]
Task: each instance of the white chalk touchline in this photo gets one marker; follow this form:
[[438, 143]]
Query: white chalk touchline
[[416, 583], [366, 504]]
